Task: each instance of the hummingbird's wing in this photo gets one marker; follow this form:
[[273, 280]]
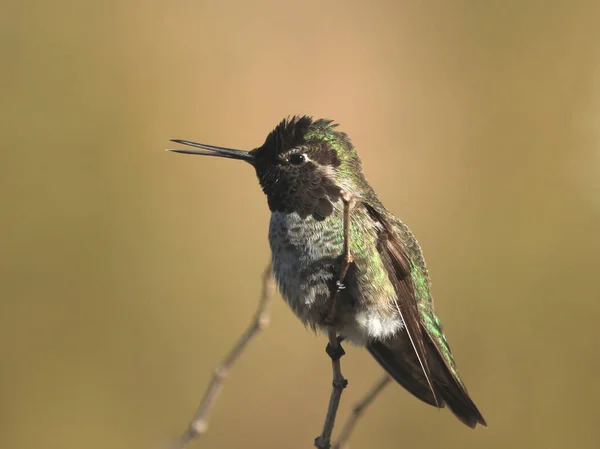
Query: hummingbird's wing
[[398, 265], [429, 371]]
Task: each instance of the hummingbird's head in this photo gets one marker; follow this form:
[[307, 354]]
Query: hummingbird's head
[[302, 167]]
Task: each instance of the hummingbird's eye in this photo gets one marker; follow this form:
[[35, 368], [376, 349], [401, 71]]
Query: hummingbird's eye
[[297, 158]]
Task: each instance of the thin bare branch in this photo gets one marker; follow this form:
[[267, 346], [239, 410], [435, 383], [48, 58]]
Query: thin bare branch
[[199, 423], [359, 409], [335, 351], [334, 348]]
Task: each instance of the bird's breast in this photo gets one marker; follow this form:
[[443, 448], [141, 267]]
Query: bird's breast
[[305, 256]]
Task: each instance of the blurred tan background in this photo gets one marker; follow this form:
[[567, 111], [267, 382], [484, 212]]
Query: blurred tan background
[[127, 272]]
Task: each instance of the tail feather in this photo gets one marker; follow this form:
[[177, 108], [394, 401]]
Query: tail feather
[[401, 364], [401, 367], [454, 392]]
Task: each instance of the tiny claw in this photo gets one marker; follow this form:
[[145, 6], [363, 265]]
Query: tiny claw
[[335, 352], [328, 321], [340, 285]]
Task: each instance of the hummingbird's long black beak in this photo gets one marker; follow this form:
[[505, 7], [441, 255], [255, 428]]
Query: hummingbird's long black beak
[[213, 151]]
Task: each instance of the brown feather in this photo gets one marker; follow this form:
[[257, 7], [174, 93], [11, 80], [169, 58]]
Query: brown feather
[[398, 267]]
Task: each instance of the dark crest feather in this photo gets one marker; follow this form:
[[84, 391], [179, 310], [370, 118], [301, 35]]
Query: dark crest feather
[[289, 134]]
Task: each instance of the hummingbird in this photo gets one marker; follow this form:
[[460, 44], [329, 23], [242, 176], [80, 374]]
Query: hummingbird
[[305, 168]]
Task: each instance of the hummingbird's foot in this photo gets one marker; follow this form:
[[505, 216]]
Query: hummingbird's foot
[[346, 260], [335, 352], [328, 321]]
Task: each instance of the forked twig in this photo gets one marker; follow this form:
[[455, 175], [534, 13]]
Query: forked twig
[[358, 410], [334, 348], [199, 423]]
